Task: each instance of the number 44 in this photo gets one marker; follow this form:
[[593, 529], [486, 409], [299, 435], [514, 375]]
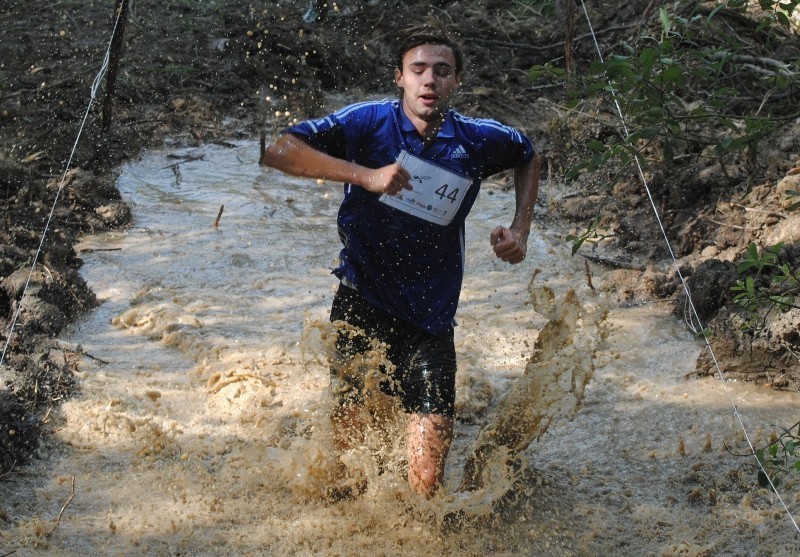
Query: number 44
[[443, 192]]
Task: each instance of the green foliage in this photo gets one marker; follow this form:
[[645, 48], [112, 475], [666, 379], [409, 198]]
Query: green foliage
[[578, 241], [779, 12], [673, 88], [678, 92], [766, 282], [591, 234], [753, 295], [781, 458]]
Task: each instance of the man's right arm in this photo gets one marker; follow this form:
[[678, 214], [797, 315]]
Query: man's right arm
[[292, 155]]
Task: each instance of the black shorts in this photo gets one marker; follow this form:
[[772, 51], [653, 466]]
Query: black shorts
[[422, 373]]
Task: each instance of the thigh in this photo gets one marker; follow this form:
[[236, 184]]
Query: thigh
[[427, 375], [424, 365], [359, 328]]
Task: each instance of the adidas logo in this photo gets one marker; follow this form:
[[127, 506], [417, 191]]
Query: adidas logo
[[459, 153]]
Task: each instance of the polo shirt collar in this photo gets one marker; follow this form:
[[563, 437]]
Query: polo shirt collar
[[447, 131]]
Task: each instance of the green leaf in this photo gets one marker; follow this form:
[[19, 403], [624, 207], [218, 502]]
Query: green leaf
[[647, 59], [548, 70], [715, 10], [646, 133], [673, 74], [536, 72], [666, 22], [597, 67], [796, 205], [577, 241], [621, 70], [750, 260], [576, 170]]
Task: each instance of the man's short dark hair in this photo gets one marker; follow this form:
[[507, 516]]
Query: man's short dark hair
[[430, 31]]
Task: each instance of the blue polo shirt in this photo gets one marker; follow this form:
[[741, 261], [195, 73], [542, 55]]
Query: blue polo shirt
[[399, 262]]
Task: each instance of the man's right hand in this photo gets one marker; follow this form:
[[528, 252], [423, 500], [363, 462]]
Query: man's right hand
[[293, 156], [391, 180]]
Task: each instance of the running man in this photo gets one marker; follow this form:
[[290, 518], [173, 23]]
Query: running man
[[411, 169]]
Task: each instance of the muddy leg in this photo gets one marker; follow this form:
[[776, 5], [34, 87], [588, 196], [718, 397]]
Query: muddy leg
[[429, 438], [347, 422]]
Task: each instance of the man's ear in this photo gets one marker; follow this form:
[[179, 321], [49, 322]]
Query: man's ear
[[398, 77]]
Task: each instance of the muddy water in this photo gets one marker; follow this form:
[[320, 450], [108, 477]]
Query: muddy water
[[201, 427]]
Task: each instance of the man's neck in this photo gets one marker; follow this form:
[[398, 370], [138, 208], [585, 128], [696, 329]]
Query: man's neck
[[427, 129], [430, 132]]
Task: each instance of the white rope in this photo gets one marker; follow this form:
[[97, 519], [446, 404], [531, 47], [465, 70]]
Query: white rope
[[95, 87], [693, 310]]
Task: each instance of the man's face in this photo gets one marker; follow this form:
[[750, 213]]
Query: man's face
[[428, 79]]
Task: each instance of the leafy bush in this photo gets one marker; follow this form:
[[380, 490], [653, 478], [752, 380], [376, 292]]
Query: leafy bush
[[697, 88], [781, 458]]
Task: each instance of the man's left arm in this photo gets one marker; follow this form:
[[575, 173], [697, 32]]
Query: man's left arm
[[511, 244]]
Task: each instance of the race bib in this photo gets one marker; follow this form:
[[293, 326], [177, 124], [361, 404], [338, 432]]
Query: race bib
[[437, 193]]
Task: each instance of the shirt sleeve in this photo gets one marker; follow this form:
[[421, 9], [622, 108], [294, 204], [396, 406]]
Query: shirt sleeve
[[325, 134], [510, 148], [333, 133]]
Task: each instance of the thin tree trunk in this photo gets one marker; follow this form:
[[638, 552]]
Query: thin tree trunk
[[121, 11]]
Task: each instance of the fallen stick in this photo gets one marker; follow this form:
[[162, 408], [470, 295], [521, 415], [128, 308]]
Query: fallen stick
[[613, 263], [219, 215], [68, 501]]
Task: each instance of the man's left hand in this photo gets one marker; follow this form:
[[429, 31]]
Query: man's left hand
[[508, 244]]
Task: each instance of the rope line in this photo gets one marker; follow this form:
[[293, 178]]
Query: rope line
[[95, 87], [691, 307]]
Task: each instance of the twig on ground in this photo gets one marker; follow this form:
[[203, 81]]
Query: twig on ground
[[588, 272], [93, 250], [68, 501], [219, 215], [736, 226], [613, 263], [767, 212]]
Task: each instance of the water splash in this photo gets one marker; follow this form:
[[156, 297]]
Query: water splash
[[551, 388]]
